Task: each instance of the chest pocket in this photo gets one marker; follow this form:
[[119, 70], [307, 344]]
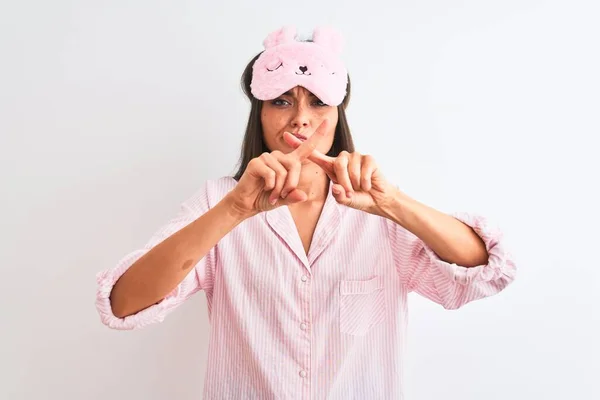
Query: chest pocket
[[362, 305]]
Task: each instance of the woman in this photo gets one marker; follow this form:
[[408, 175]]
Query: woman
[[307, 255]]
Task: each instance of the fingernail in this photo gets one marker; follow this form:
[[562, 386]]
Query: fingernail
[[284, 194], [349, 194], [273, 201], [336, 190]]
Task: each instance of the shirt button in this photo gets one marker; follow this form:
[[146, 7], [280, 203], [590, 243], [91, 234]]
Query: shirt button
[[303, 374], [304, 278], [303, 326]]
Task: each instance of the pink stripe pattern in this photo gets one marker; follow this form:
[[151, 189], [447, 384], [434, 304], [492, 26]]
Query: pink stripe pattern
[[329, 324]]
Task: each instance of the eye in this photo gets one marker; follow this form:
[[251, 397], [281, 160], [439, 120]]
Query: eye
[[276, 68], [279, 102], [319, 103]]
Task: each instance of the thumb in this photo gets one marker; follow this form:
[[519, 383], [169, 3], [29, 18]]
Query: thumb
[[295, 196], [340, 194]]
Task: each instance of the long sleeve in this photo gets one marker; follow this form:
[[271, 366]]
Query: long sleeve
[[200, 277], [452, 285]]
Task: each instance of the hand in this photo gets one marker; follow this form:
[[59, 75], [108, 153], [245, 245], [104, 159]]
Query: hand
[[358, 182], [270, 180]]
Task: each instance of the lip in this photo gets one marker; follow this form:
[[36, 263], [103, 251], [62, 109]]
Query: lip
[[299, 136]]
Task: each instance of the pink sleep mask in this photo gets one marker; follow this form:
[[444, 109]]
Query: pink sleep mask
[[287, 63]]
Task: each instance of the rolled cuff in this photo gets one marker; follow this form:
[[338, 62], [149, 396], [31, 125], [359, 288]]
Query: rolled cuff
[[500, 269], [105, 283]]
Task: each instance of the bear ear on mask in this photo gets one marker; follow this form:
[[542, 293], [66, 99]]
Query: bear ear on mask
[[315, 65]]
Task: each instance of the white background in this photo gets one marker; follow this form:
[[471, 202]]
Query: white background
[[113, 112]]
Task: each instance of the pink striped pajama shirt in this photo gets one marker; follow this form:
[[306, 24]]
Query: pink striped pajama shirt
[[329, 324]]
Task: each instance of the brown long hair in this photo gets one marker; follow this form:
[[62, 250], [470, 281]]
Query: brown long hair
[[253, 144]]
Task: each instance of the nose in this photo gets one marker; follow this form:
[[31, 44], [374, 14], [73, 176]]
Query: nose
[[303, 68], [300, 122], [301, 119]]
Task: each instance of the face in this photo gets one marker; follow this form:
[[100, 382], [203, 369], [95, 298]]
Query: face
[[299, 112]]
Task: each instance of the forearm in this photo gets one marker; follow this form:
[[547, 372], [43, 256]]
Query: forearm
[[158, 272], [452, 240]]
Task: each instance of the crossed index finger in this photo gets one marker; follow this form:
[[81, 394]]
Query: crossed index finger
[[306, 148]]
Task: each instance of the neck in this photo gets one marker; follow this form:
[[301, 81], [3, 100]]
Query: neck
[[314, 182]]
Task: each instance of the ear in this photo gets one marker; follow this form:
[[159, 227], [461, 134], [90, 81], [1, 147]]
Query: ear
[[329, 38], [284, 35]]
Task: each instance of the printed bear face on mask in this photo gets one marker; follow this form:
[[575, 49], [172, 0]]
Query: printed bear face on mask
[[287, 63]]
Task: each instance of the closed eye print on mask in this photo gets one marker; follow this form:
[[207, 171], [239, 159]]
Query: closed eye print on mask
[[275, 68]]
